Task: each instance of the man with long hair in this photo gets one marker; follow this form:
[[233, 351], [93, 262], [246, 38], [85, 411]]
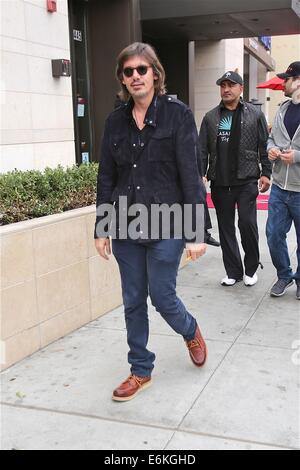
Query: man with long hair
[[149, 156]]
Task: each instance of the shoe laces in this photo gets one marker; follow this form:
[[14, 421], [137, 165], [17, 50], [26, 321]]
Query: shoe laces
[[133, 378], [194, 343]]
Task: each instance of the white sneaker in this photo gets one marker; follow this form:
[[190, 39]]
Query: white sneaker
[[228, 282], [250, 281]]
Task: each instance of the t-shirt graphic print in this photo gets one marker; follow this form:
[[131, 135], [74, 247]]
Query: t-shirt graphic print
[[225, 128]]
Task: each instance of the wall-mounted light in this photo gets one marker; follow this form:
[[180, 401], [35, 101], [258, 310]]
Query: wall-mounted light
[[61, 68]]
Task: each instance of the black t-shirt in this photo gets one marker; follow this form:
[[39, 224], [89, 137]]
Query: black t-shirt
[[225, 175], [223, 162], [292, 119]]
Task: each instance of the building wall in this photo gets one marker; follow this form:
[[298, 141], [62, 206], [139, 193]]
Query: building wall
[[212, 60], [37, 116], [285, 49], [262, 94], [171, 53], [112, 26]]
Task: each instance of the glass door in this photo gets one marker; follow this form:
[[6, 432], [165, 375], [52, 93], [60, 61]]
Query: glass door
[[78, 14]]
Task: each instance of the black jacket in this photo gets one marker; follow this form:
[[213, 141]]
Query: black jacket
[[253, 159], [166, 168]]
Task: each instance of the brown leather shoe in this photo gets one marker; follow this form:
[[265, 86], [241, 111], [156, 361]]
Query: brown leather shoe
[[131, 387], [197, 349]]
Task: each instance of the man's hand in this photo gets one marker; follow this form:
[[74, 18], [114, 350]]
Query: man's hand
[[264, 184], [288, 157], [103, 247], [274, 153], [195, 250], [204, 179]]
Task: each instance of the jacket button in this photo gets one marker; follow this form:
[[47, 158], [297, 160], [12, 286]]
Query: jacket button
[[134, 166], [138, 188], [142, 144], [129, 187]]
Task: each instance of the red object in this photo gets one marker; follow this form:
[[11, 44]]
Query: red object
[[261, 202], [51, 6], [275, 83]]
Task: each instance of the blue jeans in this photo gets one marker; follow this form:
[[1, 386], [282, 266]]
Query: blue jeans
[[150, 268], [284, 208]]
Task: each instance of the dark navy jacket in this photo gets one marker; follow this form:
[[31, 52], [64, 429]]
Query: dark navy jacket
[[164, 168]]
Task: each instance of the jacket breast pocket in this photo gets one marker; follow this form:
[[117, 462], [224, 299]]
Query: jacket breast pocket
[[161, 147], [119, 146]]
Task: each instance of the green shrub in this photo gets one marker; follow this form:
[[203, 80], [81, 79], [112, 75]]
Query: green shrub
[[29, 194]]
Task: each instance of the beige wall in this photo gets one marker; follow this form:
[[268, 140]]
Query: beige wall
[[262, 94], [37, 115], [52, 282], [285, 49], [212, 59]]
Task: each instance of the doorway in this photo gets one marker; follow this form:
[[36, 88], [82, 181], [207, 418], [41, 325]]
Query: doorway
[[79, 44]]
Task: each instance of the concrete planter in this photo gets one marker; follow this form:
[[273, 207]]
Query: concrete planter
[[52, 281]]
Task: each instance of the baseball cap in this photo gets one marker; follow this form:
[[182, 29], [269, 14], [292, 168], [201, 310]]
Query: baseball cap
[[233, 77], [293, 70]]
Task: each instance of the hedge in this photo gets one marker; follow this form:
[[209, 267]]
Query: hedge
[[29, 194]]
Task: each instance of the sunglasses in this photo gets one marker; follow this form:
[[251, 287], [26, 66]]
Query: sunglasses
[[141, 70]]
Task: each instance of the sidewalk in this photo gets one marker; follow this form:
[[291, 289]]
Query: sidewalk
[[246, 396]]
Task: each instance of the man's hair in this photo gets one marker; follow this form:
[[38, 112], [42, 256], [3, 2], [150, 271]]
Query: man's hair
[[148, 53]]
